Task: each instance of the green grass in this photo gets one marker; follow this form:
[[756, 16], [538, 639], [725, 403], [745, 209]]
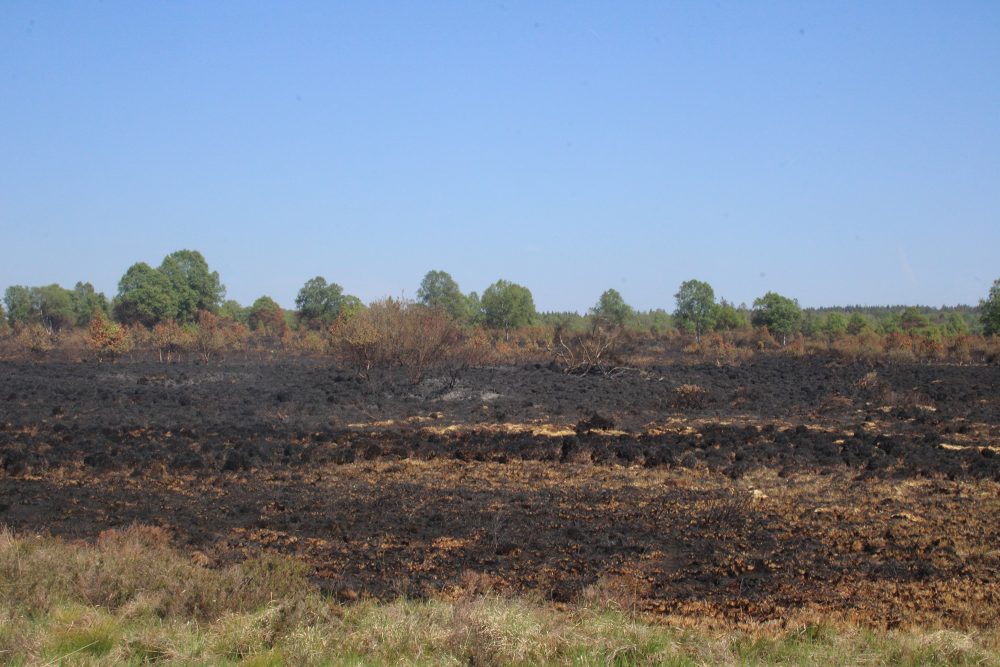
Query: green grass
[[131, 600]]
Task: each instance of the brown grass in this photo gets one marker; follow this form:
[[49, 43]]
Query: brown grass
[[131, 599]]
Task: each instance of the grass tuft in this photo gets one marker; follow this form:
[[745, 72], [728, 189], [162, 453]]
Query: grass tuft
[[130, 599]]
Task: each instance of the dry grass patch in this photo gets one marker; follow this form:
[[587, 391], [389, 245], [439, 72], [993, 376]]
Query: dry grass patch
[[130, 599]]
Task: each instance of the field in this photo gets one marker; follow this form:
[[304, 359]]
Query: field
[[773, 493]]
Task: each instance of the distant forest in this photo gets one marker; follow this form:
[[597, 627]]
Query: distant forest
[[183, 286]]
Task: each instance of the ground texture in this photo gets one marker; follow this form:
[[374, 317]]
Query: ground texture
[[743, 493]]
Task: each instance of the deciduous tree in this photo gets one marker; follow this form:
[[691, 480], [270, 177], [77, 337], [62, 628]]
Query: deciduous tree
[[18, 301], [611, 307], [232, 310], [145, 296], [779, 314], [438, 289], [319, 303], [87, 300], [265, 315], [835, 324], [506, 305], [52, 306], [696, 308], [989, 310], [729, 318], [195, 288]]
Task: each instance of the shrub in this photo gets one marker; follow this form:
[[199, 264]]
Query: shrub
[[109, 339], [305, 341], [395, 333], [899, 346], [34, 339], [266, 317], [689, 396], [598, 350], [214, 335], [170, 339], [872, 387]]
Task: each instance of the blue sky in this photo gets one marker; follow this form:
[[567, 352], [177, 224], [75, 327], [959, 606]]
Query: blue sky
[[837, 153]]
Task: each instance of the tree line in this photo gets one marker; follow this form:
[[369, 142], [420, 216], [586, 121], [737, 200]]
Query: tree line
[[183, 286]]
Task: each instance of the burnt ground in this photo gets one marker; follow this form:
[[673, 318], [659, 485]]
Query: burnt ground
[[779, 486]]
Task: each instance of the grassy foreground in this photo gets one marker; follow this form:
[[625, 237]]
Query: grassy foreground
[[131, 599]]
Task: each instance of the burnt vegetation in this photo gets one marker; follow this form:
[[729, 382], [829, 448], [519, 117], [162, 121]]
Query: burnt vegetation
[[724, 462]]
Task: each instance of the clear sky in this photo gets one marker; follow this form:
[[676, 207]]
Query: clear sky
[[834, 152]]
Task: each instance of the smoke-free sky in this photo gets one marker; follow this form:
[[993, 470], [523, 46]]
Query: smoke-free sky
[[838, 153]]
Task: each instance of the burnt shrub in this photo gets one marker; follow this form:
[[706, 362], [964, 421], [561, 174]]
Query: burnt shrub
[[395, 333], [689, 396]]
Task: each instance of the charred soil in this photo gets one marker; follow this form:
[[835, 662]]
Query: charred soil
[[747, 492]]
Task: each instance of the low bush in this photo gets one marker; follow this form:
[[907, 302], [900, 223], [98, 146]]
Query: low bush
[[598, 350], [108, 339], [397, 334], [689, 396], [34, 340]]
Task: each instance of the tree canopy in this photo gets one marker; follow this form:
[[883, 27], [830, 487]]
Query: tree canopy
[[506, 305], [989, 310], [17, 298], [195, 288], [266, 315], [779, 314], [438, 289], [611, 307], [178, 290], [319, 303], [52, 306], [87, 301], [696, 309], [729, 318], [232, 310], [145, 296]]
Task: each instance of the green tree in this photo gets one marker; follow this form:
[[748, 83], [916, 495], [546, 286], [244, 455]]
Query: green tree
[[568, 321], [696, 310], [52, 306], [956, 325], [195, 288], [17, 298], [439, 290], [834, 324], [319, 303], [506, 305], [145, 296], [474, 308], [729, 318], [658, 321], [779, 314], [231, 309], [87, 301], [611, 307], [858, 324], [889, 322], [350, 306], [989, 311]]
